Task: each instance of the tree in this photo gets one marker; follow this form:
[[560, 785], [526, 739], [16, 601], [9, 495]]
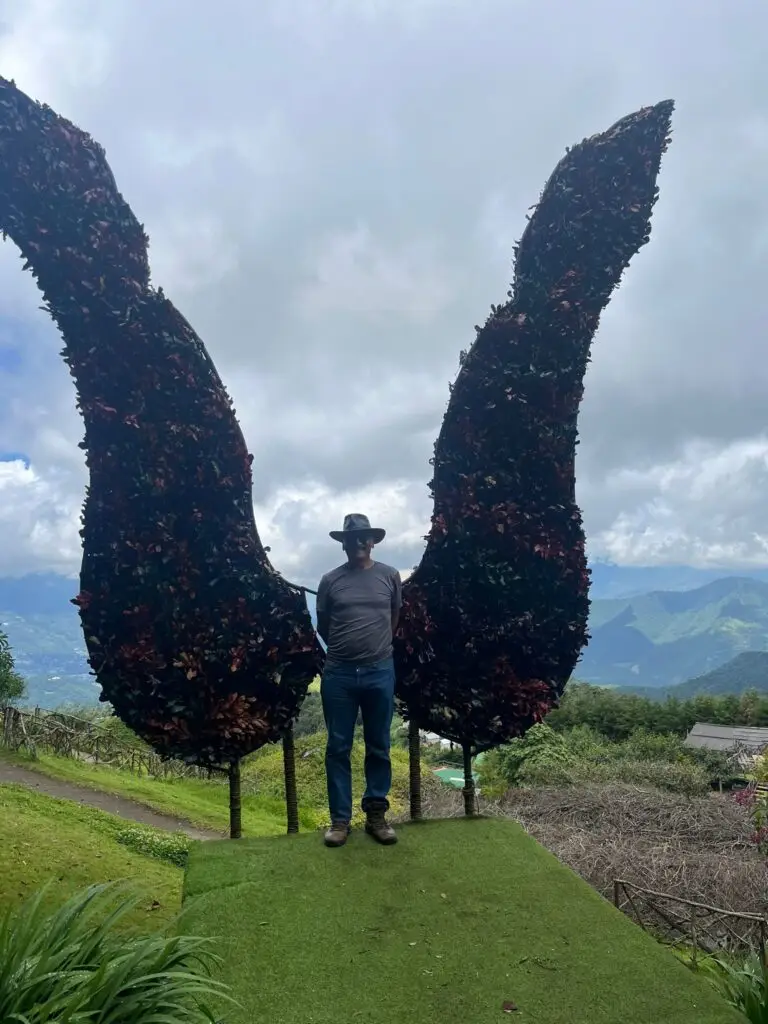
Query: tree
[[12, 687], [197, 642], [495, 615]]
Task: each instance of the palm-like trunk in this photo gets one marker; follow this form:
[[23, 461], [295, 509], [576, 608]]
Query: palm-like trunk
[[414, 765], [291, 791], [235, 805], [469, 782]]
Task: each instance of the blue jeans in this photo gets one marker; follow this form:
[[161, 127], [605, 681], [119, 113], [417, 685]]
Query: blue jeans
[[345, 690]]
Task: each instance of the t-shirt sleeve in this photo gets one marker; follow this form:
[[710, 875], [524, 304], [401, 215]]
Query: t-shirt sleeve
[[321, 603], [397, 592]]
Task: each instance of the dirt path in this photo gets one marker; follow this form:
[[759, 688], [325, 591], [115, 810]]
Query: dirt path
[[118, 805]]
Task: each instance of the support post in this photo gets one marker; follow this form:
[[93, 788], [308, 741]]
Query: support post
[[414, 768], [469, 781], [235, 806], [291, 790]]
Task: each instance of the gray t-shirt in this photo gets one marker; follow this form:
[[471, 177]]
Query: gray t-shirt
[[358, 605]]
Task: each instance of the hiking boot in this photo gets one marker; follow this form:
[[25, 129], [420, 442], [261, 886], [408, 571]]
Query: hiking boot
[[337, 834], [377, 826]]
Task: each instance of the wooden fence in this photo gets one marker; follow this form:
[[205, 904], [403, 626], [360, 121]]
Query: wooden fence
[[677, 921], [67, 736]]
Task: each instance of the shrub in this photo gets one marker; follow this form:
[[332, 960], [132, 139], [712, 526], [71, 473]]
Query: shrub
[[544, 757], [541, 757], [495, 615], [72, 965], [198, 643], [169, 846]]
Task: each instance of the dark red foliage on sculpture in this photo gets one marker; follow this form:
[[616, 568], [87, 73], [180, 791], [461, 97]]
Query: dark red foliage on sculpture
[[495, 615], [197, 642]]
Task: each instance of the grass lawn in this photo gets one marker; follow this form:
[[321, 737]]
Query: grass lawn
[[205, 804], [463, 922], [43, 839]]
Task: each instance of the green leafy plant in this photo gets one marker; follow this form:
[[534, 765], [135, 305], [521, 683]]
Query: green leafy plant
[[72, 966], [743, 983]]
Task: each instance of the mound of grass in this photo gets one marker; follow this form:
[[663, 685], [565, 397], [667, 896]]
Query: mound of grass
[[463, 921], [44, 840]]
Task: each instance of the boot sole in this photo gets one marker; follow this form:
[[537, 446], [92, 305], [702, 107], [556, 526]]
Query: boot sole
[[382, 842], [334, 844]]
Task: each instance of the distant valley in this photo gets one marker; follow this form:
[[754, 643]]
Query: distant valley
[[48, 647], [665, 638], [652, 629]]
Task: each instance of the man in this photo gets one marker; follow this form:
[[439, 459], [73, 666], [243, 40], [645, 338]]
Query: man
[[358, 606]]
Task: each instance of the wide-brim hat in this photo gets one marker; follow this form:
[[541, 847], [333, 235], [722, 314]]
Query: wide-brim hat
[[355, 524]]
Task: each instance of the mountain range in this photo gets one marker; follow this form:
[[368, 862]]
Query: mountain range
[[664, 638], [747, 671], [652, 628]]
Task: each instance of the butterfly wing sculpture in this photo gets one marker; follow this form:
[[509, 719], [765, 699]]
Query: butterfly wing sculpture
[[198, 643], [495, 615]]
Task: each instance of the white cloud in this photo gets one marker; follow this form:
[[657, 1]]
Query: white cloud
[[54, 46], [295, 524], [332, 191], [39, 525], [353, 274], [704, 509]]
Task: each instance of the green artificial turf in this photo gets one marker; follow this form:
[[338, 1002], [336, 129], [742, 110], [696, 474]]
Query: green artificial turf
[[463, 922]]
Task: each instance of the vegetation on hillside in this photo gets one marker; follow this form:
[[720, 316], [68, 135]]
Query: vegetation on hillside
[[70, 846], [205, 803], [582, 755], [742, 981], [616, 714], [747, 671], [11, 683]]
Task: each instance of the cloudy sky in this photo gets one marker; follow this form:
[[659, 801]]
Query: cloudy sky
[[332, 190]]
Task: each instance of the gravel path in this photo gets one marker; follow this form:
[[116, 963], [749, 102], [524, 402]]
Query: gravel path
[[119, 805]]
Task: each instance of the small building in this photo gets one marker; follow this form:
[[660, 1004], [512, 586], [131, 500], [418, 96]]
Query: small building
[[745, 742]]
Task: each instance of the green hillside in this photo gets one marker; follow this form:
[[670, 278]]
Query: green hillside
[[63, 844], [668, 637], [463, 921], [748, 671]]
